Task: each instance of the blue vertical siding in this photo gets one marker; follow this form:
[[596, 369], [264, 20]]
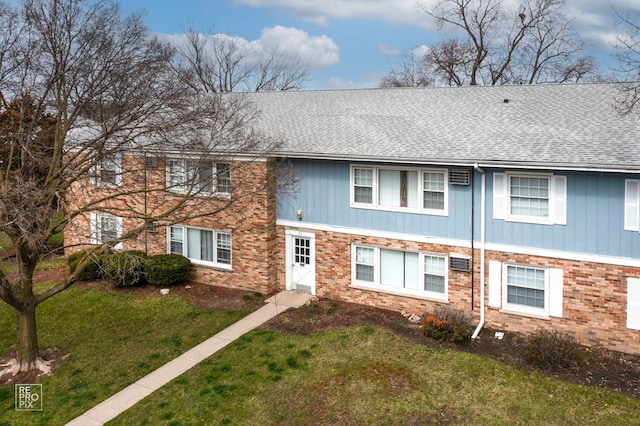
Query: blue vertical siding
[[324, 196], [595, 220], [595, 212]]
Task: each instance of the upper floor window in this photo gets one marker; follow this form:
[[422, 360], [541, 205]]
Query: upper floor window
[[403, 271], [185, 175], [534, 198], [423, 191], [202, 246], [529, 196], [108, 171]]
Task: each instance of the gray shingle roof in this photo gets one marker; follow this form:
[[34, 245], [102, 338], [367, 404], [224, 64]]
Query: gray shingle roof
[[554, 126]]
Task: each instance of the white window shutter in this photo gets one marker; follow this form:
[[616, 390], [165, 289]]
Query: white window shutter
[[118, 161], [632, 205], [120, 245], [555, 292], [560, 200], [499, 196], [93, 228], [495, 283], [633, 303]]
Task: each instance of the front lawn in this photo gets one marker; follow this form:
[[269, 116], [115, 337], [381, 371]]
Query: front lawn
[[110, 341], [353, 375], [367, 375]]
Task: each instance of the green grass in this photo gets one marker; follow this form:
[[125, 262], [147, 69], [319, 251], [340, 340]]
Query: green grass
[[368, 376], [362, 375], [110, 341]]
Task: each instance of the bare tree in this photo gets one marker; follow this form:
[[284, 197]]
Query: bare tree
[[499, 45], [218, 63], [628, 57], [82, 86], [411, 73]]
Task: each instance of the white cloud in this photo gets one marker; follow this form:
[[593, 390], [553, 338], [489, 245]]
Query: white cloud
[[319, 51], [320, 12]]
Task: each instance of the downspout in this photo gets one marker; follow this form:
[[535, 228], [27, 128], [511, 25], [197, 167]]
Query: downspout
[[482, 248]]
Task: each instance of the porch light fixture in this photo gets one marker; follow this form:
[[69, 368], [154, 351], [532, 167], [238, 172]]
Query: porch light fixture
[[299, 214]]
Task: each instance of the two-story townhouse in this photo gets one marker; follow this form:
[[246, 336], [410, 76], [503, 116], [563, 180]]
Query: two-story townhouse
[[519, 204], [229, 248]]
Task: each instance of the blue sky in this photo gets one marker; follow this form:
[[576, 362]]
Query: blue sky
[[349, 43]]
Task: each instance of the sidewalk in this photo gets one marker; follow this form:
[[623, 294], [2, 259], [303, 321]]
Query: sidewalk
[[112, 407]]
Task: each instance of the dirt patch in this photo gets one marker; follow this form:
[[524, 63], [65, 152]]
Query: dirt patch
[[612, 370]]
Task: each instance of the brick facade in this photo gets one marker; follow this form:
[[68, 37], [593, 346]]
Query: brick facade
[[594, 294], [249, 216]]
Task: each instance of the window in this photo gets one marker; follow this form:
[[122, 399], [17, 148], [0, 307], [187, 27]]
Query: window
[[108, 171], [533, 198], [400, 271], [422, 191], [105, 228], [202, 246], [302, 251], [363, 186], [526, 286], [198, 176], [526, 289], [529, 196]]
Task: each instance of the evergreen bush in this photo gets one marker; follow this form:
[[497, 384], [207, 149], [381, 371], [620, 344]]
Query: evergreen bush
[[125, 268], [94, 269], [167, 269]]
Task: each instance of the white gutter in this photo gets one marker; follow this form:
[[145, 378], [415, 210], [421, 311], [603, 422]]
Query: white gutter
[[482, 246]]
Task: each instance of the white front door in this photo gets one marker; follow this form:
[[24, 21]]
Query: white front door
[[301, 262]]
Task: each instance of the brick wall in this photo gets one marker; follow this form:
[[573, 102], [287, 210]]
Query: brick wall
[[249, 215], [594, 294], [594, 308]]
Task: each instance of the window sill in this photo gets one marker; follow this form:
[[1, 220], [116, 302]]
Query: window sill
[[413, 295], [211, 265], [399, 209], [541, 316], [532, 220], [218, 195]]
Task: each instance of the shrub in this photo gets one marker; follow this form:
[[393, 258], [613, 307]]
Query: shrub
[[448, 324], [126, 268], [94, 269], [553, 349], [167, 269]]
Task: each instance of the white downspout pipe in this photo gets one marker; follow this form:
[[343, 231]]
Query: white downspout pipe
[[482, 244]]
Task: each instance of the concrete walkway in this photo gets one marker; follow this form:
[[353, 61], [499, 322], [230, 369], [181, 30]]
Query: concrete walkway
[[112, 407]]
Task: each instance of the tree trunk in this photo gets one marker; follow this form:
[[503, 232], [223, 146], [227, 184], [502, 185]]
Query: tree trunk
[[27, 356]]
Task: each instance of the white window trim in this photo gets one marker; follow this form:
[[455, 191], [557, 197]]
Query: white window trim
[[97, 173], [522, 308], [96, 234], [497, 291], [420, 190], [376, 286], [557, 199], [200, 262], [181, 190]]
